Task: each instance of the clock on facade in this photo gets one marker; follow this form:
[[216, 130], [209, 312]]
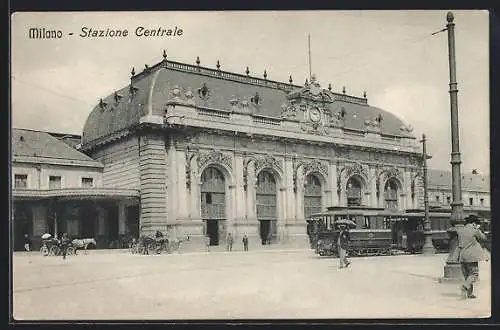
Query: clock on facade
[[314, 115]]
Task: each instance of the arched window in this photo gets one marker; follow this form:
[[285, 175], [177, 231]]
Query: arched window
[[353, 192], [266, 204], [212, 194], [391, 194], [312, 195]]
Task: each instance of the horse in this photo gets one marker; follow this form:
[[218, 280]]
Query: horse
[[83, 243]]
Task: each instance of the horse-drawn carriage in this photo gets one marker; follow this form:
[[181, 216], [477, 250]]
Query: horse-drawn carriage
[[52, 246], [156, 244]]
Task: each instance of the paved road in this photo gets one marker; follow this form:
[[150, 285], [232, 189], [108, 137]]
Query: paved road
[[252, 285]]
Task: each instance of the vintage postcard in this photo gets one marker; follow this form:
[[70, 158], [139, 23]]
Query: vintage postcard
[[234, 165]]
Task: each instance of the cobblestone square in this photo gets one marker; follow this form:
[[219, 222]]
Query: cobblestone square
[[253, 285]]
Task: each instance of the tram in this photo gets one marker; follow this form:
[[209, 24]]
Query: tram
[[381, 232], [373, 235]]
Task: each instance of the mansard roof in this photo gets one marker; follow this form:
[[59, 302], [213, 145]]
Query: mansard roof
[[37, 146], [149, 91], [442, 180]]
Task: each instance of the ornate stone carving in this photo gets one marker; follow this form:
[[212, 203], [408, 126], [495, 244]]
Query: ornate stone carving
[[349, 170], [408, 129], [214, 156], [391, 172], [314, 128], [314, 166], [204, 92], [246, 161], [373, 124], [288, 110], [189, 154], [267, 161]]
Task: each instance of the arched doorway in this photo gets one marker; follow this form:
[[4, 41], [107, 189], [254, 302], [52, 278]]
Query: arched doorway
[[312, 195], [213, 203], [354, 191], [266, 203], [391, 194], [23, 224]]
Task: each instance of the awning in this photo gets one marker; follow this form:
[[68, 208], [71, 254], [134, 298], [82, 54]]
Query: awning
[[75, 193]]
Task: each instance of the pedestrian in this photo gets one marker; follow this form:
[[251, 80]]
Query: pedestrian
[[27, 243], [470, 253], [229, 241], [245, 242], [64, 244], [207, 243], [342, 244]]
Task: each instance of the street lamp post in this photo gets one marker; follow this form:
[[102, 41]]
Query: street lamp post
[[428, 247], [452, 270]]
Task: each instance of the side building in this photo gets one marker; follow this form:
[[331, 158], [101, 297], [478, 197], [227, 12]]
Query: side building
[[56, 189]]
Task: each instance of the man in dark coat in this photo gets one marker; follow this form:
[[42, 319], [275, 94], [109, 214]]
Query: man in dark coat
[[470, 253], [342, 244], [65, 244], [245, 242]]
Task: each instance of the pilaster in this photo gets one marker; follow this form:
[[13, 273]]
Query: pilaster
[[181, 187], [332, 179], [240, 203], [153, 181], [373, 187], [122, 216]]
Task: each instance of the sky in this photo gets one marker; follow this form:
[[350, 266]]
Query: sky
[[389, 54]]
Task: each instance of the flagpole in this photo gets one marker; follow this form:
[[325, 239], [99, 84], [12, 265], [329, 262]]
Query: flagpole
[[309, 47]]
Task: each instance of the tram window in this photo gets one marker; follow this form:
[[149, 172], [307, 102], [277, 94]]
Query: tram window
[[208, 198], [366, 223], [448, 199], [471, 201], [481, 201]]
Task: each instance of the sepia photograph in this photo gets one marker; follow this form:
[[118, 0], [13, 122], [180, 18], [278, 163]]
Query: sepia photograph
[[250, 165]]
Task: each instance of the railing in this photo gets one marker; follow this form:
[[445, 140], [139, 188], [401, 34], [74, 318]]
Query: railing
[[350, 99], [266, 121], [213, 113]]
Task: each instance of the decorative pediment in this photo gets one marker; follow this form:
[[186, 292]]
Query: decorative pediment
[[349, 170], [267, 161], [312, 92], [391, 172], [214, 157], [314, 166]]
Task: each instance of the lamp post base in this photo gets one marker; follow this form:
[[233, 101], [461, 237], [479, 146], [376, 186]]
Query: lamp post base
[[452, 273], [428, 250]]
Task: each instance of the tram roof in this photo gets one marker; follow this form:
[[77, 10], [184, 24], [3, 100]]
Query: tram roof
[[361, 212]]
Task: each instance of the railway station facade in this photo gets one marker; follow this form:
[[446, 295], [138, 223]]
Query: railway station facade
[[205, 152]]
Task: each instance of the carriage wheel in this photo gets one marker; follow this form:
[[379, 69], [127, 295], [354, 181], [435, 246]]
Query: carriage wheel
[[71, 251], [54, 250], [44, 251]]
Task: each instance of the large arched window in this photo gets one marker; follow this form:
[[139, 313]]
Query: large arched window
[[312, 195], [213, 190], [266, 203], [391, 194], [213, 203], [353, 192]]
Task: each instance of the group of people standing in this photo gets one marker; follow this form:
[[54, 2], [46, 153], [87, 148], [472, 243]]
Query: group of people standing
[[229, 242]]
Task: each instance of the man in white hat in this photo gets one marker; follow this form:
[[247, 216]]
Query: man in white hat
[[470, 253], [342, 243]]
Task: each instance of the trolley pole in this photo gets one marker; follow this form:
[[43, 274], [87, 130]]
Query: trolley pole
[[428, 247], [452, 270]]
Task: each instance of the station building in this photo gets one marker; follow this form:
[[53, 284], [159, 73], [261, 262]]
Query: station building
[[204, 152]]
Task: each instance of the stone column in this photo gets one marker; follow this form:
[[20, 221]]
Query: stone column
[[407, 185], [122, 218], [181, 188], [239, 198], [332, 179], [373, 187], [153, 181], [251, 192]]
